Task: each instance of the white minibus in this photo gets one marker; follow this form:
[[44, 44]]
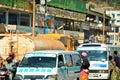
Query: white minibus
[[98, 56], [49, 65]]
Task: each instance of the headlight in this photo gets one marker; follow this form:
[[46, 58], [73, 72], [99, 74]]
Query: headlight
[[18, 77], [103, 71], [52, 77], [2, 72]]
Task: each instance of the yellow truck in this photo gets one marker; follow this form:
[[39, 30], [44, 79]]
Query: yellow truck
[[22, 43], [66, 39]]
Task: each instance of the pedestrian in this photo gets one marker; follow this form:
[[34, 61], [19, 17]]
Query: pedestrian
[[84, 67], [114, 74], [1, 62], [117, 59], [12, 55], [10, 66]]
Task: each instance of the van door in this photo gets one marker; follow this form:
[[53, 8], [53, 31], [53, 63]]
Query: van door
[[73, 68], [62, 69], [69, 64], [76, 65]]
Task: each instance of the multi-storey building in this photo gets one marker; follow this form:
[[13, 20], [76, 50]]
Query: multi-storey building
[[56, 16], [115, 24]]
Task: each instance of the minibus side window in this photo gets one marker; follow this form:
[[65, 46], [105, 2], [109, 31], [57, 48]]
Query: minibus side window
[[60, 61], [76, 60], [68, 59]]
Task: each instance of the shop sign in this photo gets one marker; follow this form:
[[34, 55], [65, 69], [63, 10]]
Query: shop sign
[[58, 12], [67, 14], [62, 12], [39, 21], [85, 25], [51, 11], [11, 27], [71, 14]]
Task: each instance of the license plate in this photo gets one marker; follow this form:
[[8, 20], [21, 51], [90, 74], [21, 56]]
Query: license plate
[[93, 75]]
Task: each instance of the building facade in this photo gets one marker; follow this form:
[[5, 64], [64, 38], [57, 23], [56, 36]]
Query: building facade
[[56, 16]]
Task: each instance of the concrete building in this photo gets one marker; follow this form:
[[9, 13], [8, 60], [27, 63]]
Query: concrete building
[[56, 16]]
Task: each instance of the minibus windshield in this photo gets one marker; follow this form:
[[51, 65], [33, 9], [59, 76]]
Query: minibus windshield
[[95, 55], [38, 62]]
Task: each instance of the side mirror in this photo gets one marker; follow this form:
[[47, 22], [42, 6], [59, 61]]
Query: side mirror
[[60, 64]]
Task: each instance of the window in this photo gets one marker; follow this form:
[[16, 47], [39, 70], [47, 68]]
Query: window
[[38, 62], [76, 60], [60, 58], [118, 14], [69, 60], [118, 20], [60, 61], [2, 17], [25, 18], [93, 54], [113, 16], [12, 18]]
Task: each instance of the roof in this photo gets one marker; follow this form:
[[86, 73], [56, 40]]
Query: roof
[[52, 52], [92, 44], [97, 45]]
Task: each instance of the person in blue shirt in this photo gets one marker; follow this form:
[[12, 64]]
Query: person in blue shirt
[[117, 59]]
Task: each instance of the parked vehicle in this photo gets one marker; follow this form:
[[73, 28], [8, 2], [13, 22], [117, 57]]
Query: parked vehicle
[[98, 56], [49, 65]]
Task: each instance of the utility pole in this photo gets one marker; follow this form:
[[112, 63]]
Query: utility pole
[[104, 17], [33, 20], [103, 39]]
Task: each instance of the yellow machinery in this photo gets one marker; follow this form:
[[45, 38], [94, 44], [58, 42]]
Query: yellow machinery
[[67, 40], [20, 44]]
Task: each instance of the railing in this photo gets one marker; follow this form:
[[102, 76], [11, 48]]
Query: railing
[[16, 4]]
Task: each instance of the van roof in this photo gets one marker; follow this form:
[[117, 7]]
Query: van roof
[[53, 52], [93, 45]]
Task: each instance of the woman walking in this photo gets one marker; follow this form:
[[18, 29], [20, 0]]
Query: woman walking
[[114, 75], [84, 67]]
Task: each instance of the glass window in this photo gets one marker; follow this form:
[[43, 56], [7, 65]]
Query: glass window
[[118, 14], [12, 18], [60, 61], [76, 60], [113, 15], [67, 58], [118, 20], [2, 17], [25, 19], [38, 62], [95, 55]]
